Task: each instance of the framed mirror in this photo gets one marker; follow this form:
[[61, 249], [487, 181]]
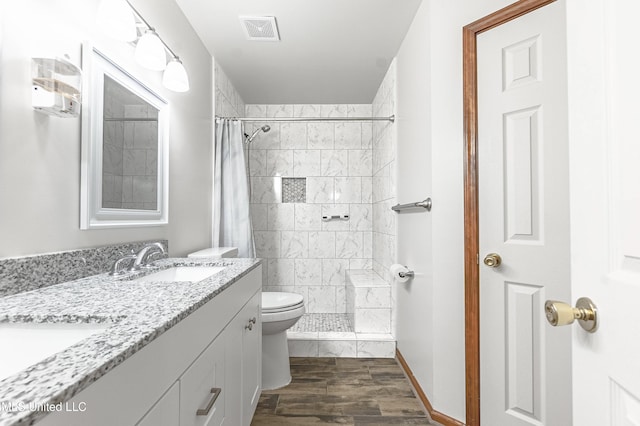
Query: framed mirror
[[125, 128]]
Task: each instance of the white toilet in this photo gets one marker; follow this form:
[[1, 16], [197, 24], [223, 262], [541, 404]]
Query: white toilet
[[280, 311]]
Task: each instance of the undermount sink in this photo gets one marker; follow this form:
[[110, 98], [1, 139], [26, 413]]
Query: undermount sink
[[26, 344], [182, 274]]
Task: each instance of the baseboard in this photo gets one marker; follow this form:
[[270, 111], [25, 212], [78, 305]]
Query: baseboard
[[435, 415]]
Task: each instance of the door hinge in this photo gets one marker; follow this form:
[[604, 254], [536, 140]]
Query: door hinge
[[477, 258]]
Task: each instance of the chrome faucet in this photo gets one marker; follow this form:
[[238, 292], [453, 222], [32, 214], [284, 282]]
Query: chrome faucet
[[142, 258], [118, 268]]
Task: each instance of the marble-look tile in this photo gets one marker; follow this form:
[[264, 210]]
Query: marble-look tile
[[367, 135], [367, 238], [322, 245], [361, 218], [336, 335], [308, 272], [348, 136], [308, 217], [367, 190], [359, 110], [335, 210], [366, 349], [373, 297], [348, 189], [306, 110], [145, 189], [320, 135], [295, 244], [259, 217], [373, 320], [293, 135], [306, 162], [334, 162], [296, 333], [112, 160], [267, 244], [303, 348], [320, 190], [280, 272], [360, 263], [321, 299], [360, 162], [134, 162], [274, 111], [338, 110], [266, 189], [341, 299], [258, 162], [337, 348], [114, 133], [280, 217], [255, 111], [268, 140], [333, 271], [349, 245], [145, 135], [279, 162]]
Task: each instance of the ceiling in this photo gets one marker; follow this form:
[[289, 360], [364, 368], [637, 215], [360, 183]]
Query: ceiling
[[331, 51]]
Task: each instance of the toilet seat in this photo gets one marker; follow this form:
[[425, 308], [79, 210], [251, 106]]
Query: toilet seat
[[274, 302]]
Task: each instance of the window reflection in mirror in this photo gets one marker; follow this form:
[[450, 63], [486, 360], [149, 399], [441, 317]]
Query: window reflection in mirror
[[130, 150]]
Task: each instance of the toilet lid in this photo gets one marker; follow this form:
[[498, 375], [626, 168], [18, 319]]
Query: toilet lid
[[279, 301]]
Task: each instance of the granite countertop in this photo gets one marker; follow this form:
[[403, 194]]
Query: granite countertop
[[136, 312]]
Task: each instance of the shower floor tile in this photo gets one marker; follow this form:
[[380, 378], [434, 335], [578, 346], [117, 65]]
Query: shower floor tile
[[323, 323]]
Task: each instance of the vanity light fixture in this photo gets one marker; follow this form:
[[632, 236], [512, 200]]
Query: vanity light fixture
[[175, 76], [151, 50]]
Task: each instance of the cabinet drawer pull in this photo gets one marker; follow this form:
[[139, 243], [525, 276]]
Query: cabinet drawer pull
[[205, 411]]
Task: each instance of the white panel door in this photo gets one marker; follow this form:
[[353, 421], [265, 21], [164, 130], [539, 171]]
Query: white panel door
[[525, 367], [604, 89]]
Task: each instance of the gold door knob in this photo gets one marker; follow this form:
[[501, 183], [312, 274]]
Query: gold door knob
[[492, 260], [559, 313]]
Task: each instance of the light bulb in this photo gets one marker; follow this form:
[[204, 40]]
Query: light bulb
[[175, 76], [150, 51], [116, 19]]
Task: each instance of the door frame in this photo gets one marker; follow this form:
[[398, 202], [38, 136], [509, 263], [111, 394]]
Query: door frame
[[471, 205]]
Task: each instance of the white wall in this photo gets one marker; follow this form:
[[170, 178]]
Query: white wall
[[430, 135], [40, 155]]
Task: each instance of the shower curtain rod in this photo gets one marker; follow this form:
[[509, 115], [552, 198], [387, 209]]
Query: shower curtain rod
[[391, 118]]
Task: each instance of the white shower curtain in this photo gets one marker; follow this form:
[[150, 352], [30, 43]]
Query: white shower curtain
[[231, 214]]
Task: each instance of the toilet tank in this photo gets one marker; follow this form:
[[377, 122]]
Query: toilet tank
[[215, 252]]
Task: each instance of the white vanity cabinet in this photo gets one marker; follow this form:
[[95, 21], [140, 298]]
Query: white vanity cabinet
[[244, 390], [170, 381]]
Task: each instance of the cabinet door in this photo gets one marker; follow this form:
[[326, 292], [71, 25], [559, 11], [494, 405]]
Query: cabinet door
[[202, 388], [166, 412], [251, 358]]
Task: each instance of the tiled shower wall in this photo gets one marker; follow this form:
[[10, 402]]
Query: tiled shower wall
[[304, 254], [130, 161], [384, 178], [228, 102]]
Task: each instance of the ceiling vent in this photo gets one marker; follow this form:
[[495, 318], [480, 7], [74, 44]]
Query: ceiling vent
[[260, 28]]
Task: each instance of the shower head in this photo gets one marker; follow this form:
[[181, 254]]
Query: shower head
[[264, 128]]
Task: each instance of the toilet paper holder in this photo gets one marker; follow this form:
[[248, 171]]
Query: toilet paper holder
[[407, 274]]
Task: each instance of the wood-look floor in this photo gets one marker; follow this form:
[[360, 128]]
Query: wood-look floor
[[345, 391]]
